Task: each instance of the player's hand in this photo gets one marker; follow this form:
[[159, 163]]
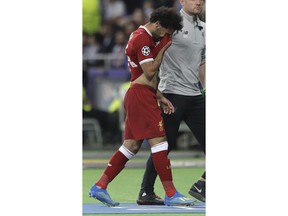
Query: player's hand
[[166, 105]]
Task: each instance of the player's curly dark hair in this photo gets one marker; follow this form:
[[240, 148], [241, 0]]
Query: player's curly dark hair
[[167, 17]]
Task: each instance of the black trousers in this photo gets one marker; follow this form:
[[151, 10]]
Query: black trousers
[[190, 109]]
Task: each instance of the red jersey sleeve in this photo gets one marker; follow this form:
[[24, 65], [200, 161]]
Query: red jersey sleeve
[[145, 46], [162, 43], [138, 51]]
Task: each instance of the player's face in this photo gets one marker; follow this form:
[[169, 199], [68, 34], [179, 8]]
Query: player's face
[[192, 7], [160, 32]]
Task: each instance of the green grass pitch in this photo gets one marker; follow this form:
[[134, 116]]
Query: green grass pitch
[[125, 187]]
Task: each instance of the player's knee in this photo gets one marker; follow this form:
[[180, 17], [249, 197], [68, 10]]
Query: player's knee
[[132, 146]]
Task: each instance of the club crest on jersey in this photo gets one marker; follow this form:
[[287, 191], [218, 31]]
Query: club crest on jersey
[[145, 50]]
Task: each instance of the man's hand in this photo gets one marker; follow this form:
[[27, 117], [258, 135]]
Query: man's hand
[[166, 105], [203, 92]]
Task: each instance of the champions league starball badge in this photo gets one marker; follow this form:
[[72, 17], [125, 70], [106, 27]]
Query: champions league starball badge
[[145, 50]]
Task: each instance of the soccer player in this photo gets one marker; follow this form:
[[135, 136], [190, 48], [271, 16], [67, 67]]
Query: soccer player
[[143, 114], [181, 73]]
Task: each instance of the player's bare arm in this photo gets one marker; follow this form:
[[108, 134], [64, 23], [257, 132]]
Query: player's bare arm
[[166, 104]]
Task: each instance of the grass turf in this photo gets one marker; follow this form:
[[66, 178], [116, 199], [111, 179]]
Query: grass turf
[[125, 187]]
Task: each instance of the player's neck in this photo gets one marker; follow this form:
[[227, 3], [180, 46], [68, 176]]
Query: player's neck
[[149, 26]]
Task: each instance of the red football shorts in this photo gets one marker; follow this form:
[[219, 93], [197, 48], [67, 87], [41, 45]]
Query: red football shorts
[[143, 115]]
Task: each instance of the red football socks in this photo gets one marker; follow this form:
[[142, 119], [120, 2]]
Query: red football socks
[[114, 167], [163, 167]]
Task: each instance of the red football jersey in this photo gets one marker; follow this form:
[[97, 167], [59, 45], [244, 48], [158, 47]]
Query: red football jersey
[[139, 50], [162, 43]]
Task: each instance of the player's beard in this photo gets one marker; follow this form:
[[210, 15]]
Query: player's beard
[[156, 36]]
